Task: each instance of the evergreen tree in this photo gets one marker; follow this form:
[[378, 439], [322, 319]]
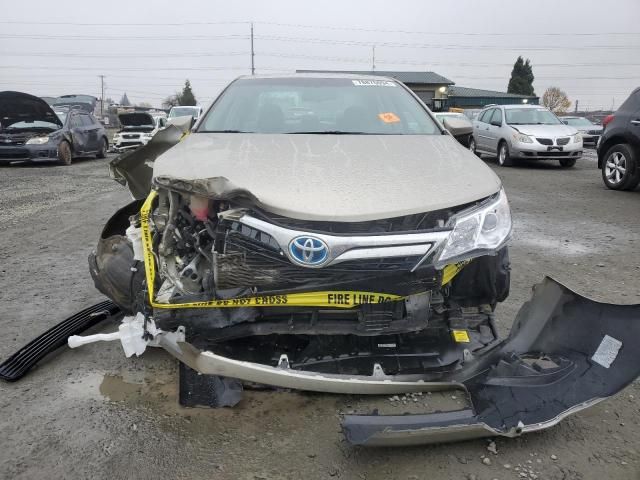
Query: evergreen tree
[[187, 97], [521, 81], [124, 101]]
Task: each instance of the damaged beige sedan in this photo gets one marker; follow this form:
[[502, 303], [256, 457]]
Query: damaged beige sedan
[[325, 233]]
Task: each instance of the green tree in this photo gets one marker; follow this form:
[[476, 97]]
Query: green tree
[[521, 81], [187, 97]]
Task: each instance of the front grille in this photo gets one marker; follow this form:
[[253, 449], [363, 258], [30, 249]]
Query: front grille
[[594, 132], [13, 140], [563, 140], [545, 141], [131, 135], [128, 144], [548, 154], [252, 259]]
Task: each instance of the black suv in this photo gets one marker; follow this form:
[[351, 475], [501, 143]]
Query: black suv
[[619, 147]]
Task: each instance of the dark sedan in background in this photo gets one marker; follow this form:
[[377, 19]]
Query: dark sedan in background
[[31, 131], [590, 131]]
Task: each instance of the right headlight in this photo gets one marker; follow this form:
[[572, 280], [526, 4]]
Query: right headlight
[[522, 138], [477, 231]]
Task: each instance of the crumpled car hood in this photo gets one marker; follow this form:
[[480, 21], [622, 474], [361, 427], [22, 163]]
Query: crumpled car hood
[[332, 177]]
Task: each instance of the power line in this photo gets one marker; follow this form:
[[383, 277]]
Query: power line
[[124, 38], [441, 46], [124, 55], [320, 27], [85, 24]]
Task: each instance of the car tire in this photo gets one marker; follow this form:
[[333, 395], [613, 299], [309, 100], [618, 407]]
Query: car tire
[[620, 169], [567, 162], [504, 158], [472, 146], [65, 156], [104, 145]]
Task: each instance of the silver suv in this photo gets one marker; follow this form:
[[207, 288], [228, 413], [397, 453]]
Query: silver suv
[[524, 132]]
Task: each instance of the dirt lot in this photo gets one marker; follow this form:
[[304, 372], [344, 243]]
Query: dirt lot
[[91, 413]]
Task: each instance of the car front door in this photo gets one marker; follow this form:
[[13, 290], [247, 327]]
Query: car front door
[[634, 120], [79, 134], [493, 133], [91, 128], [481, 129]]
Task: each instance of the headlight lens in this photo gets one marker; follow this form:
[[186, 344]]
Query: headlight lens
[[522, 138], [577, 138], [478, 231], [38, 141]]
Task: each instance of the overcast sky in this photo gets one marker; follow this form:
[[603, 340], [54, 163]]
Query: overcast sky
[[589, 48]]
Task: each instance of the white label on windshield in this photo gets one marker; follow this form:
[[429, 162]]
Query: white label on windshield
[[373, 83], [607, 352]]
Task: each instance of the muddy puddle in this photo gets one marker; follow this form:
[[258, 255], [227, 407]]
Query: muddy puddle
[[155, 391]]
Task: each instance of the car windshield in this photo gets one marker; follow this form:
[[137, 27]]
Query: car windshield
[[578, 122], [318, 106], [530, 116], [183, 112]]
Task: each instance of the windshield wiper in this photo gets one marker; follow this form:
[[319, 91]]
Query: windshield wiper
[[223, 131], [332, 132]]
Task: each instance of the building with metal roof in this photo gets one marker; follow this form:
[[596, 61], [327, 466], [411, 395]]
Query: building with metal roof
[[429, 86], [440, 93], [466, 97]]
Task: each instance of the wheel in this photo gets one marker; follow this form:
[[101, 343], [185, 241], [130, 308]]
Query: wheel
[[64, 153], [472, 146], [567, 162], [620, 169], [504, 159], [104, 145]]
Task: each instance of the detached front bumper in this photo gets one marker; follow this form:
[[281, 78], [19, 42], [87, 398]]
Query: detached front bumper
[[537, 151], [565, 353]]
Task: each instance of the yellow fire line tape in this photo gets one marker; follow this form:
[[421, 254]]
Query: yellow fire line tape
[[335, 299]]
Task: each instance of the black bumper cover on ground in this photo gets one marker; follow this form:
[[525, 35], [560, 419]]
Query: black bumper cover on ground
[[564, 353]]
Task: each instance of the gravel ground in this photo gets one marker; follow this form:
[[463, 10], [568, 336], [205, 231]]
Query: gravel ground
[[91, 413]]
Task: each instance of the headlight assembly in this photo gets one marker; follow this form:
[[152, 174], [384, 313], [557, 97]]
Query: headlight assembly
[[37, 141], [522, 138], [478, 231], [577, 138]]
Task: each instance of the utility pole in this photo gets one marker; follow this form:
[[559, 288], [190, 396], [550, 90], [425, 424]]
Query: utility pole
[[373, 58], [253, 68], [576, 111], [101, 96]]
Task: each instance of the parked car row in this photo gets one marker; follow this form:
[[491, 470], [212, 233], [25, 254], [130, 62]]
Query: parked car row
[[31, 131]]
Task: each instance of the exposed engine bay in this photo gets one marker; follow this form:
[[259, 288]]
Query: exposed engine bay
[[210, 254]]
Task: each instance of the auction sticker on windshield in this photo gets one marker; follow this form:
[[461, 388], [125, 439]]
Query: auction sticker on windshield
[[374, 83], [389, 117]]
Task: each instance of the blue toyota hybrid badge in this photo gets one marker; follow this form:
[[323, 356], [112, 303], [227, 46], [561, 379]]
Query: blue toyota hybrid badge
[[308, 251]]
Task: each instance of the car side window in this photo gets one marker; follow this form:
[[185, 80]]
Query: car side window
[[496, 118], [486, 118], [75, 121], [86, 120]]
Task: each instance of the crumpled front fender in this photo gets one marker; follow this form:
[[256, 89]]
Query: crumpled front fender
[[564, 353]]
